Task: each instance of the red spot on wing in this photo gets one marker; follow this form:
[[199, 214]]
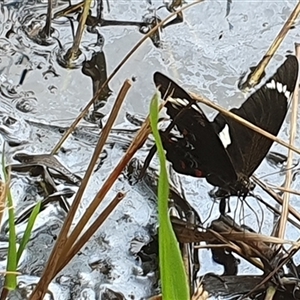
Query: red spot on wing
[[183, 165], [198, 173]]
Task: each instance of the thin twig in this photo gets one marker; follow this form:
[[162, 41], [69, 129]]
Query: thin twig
[[284, 190]]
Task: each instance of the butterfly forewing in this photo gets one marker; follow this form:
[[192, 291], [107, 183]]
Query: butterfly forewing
[[265, 108], [196, 149]]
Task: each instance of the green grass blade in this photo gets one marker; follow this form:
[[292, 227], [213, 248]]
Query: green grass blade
[[28, 229], [10, 279], [173, 278]]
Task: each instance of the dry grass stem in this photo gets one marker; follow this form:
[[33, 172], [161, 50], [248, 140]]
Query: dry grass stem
[[247, 237], [256, 75], [283, 189], [10, 272], [276, 197], [135, 145], [70, 9], [62, 240], [74, 51], [292, 251], [288, 179], [200, 293], [270, 293], [236, 248], [244, 122]]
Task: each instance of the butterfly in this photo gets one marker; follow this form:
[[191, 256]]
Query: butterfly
[[224, 151]]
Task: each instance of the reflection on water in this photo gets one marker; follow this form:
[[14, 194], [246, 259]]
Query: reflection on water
[[207, 52]]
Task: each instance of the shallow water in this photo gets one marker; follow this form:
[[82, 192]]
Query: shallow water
[[206, 53]]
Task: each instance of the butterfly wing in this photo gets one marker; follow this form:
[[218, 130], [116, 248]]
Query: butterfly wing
[[265, 108], [192, 146]]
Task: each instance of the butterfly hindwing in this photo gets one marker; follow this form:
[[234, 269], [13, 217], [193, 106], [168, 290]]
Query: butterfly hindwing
[[265, 108], [192, 146]]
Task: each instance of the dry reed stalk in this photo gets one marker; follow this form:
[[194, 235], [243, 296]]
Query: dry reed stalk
[[288, 179], [60, 245], [244, 122], [256, 75], [74, 52]]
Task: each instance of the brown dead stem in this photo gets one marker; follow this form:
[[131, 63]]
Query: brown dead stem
[[60, 249], [74, 52], [244, 122], [255, 76], [293, 131]]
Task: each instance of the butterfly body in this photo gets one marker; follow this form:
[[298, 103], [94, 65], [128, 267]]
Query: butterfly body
[[224, 151]]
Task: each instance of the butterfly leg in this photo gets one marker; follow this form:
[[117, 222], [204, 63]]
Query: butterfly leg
[[223, 205]]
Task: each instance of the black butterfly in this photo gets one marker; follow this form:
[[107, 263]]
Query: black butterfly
[[223, 151]]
